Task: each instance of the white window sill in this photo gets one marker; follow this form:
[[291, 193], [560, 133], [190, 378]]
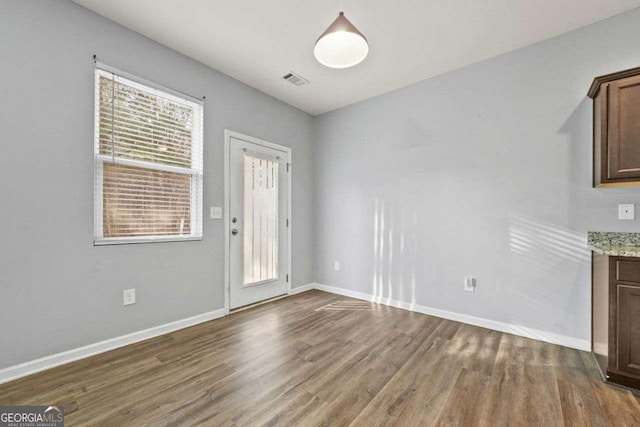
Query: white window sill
[[135, 240]]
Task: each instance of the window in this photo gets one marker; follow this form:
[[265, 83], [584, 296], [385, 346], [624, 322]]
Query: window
[[148, 162], [260, 219]]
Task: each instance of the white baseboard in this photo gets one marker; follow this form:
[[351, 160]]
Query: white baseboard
[[550, 337], [48, 362], [303, 288]]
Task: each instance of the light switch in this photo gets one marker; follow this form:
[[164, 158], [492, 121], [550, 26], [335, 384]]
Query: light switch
[[215, 212], [627, 212]]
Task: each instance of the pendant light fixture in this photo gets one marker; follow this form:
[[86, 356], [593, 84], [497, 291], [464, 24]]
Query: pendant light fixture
[[341, 45]]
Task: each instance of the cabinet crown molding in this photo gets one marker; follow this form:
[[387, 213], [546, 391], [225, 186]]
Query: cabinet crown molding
[[598, 81]]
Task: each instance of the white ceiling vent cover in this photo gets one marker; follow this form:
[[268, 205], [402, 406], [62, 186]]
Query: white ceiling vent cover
[[295, 79]]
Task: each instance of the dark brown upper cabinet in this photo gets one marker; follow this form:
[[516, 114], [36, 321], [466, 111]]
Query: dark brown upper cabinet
[[616, 128]]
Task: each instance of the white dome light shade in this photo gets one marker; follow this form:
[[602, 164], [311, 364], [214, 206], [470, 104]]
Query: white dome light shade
[[341, 45]]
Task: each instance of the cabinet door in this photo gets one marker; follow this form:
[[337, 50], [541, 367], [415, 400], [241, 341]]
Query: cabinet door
[[624, 128], [628, 336]]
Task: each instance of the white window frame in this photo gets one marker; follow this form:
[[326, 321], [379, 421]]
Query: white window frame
[[197, 175]]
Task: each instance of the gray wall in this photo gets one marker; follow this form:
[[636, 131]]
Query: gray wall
[[57, 291], [485, 171]]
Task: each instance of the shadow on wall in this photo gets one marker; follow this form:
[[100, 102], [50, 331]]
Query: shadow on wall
[[547, 262], [550, 262], [533, 239], [578, 127], [394, 236]]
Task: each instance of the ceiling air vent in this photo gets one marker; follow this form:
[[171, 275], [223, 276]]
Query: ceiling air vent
[[295, 79]]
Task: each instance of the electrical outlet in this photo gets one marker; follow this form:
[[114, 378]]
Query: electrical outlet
[[470, 284], [129, 296], [627, 212], [336, 265]]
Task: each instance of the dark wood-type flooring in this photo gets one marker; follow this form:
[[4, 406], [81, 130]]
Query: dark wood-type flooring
[[322, 359]]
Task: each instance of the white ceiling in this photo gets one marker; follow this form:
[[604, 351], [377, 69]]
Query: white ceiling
[[259, 41]]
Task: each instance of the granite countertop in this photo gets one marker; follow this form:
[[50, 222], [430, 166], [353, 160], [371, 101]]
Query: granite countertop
[[615, 244]]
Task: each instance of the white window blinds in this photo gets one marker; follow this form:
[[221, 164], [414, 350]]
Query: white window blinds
[[148, 162]]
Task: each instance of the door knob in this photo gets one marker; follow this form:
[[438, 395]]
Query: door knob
[[234, 231]]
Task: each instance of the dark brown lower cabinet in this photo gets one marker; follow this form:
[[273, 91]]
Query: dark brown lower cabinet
[[616, 318], [628, 310]]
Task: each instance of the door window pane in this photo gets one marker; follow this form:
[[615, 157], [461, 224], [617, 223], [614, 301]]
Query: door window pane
[[260, 245]]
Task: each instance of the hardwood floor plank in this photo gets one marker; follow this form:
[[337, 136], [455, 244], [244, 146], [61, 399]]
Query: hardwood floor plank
[[416, 394], [504, 401], [322, 359], [462, 406]]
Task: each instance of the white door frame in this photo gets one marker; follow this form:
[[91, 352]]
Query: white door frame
[[228, 134]]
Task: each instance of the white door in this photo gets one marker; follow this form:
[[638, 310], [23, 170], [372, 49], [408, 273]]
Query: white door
[[257, 223]]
